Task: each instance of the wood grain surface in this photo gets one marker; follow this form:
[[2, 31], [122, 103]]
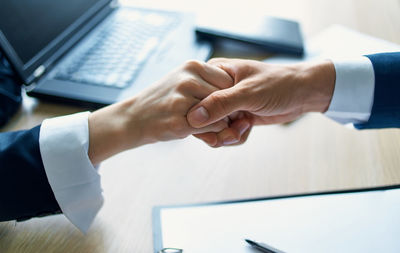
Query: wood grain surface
[[311, 154]]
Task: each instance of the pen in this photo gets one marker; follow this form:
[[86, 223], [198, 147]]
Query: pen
[[263, 247]]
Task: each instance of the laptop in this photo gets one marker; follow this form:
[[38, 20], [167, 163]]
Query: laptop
[[94, 52]]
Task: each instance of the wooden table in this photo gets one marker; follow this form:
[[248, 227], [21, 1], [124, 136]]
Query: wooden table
[[311, 154]]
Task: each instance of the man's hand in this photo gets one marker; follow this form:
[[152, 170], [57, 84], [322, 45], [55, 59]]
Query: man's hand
[[158, 113], [262, 94]]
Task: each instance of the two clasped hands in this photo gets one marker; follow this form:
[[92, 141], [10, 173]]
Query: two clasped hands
[[218, 102]]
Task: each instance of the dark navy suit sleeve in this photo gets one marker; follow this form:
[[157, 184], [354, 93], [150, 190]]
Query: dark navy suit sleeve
[[385, 111], [24, 189]]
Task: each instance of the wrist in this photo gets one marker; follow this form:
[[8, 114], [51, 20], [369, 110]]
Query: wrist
[[110, 133], [135, 123], [318, 85]]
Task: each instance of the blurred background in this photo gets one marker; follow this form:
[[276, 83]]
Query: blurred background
[[314, 15], [312, 154]]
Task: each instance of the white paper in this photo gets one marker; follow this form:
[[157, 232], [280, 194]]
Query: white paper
[[356, 222]]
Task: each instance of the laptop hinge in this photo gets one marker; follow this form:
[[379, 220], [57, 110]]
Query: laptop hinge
[[39, 71], [29, 87], [37, 74]]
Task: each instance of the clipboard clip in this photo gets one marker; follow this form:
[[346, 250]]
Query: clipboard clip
[[171, 250]]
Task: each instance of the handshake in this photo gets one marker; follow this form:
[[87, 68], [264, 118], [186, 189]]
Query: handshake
[[218, 102]]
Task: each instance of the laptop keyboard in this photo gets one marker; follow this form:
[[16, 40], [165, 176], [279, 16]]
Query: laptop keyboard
[[115, 54]]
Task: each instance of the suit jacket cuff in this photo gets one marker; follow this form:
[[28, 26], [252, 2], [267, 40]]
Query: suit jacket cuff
[[354, 91], [64, 143], [385, 111]]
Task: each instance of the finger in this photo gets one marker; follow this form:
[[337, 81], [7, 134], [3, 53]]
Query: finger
[[244, 137], [214, 127], [225, 64], [216, 106], [234, 133], [228, 136], [198, 88], [216, 76], [211, 74], [220, 61], [241, 125], [217, 139], [217, 60]]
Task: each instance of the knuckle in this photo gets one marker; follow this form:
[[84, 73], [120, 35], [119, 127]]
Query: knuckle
[[215, 60], [187, 83], [193, 65], [178, 104]]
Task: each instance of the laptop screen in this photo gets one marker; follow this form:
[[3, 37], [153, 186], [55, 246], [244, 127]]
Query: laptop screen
[[32, 26]]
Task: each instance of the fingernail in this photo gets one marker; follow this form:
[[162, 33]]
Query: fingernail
[[243, 126], [230, 140], [198, 116]]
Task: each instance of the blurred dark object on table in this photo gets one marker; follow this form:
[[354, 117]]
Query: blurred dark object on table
[[10, 92], [271, 34]]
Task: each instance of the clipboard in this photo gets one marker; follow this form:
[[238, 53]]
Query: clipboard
[[381, 229]]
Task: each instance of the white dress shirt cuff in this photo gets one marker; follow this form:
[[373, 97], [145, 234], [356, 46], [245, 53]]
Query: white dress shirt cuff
[[353, 95], [64, 143]]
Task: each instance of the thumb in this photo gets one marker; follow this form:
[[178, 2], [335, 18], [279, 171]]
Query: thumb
[[216, 106]]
